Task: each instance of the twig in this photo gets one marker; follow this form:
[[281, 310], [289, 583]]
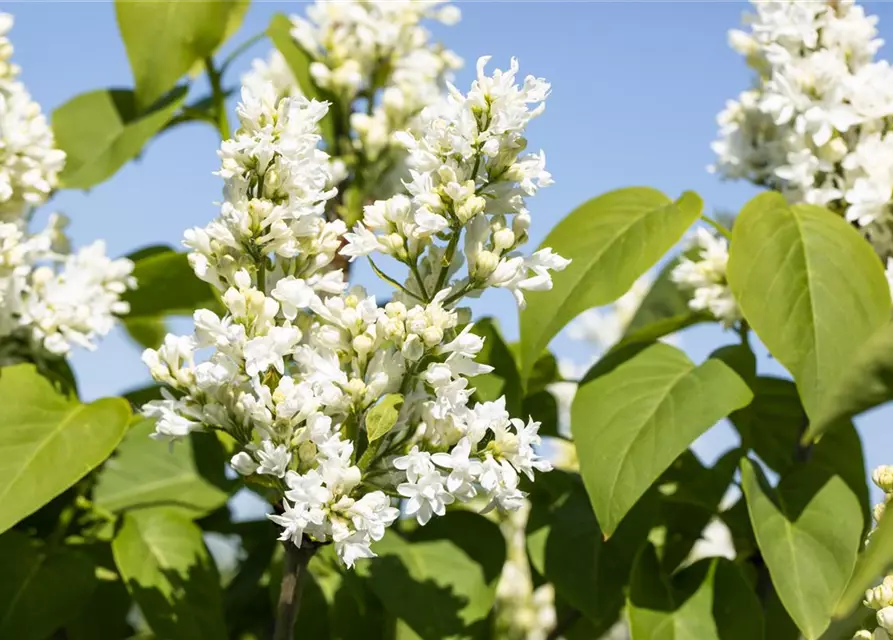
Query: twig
[[293, 570]]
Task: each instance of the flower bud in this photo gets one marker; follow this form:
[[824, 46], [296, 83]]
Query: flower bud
[[879, 597], [243, 463], [504, 239], [432, 336], [878, 512], [485, 264], [883, 478], [307, 452], [362, 344], [521, 224], [356, 388], [470, 208], [885, 619], [395, 310], [862, 634]]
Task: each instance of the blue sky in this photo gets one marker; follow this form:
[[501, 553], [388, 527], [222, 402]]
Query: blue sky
[[636, 88]]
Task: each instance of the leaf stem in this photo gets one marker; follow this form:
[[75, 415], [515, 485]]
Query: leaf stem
[[293, 570], [242, 48], [447, 259], [717, 226], [219, 98]]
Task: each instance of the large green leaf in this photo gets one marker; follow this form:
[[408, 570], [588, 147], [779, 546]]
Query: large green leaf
[[875, 561], [145, 472], [792, 269], [442, 583], [865, 383], [166, 286], [298, 62], [612, 240], [709, 600], [167, 40], [567, 547], [771, 427], [162, 558], [630, 424], [49, 441], [808, 531], [40, 589], [102, 130]]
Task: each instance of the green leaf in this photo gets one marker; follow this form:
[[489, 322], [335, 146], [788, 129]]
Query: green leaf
[[381, 418], [49, 441], [102, 130], [709, 600], [162, 558], [167, 286], [791, 270], [40, 590], [167, 40], [874, 562], [542, 407], [612, 239], [865, 383], [298, 61], [771, 427], [567, 547], [808, 532], [690, 497], [442, 583], [504, 379], [630, 424], [145, 473]]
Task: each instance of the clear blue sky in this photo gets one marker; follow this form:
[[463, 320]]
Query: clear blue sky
[[636, 88]]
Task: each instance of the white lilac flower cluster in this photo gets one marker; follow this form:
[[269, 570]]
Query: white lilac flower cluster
[[374, 51], [299, 367], [880, 598], [29, 160], [704, 275], [816, 125], [50, 299]]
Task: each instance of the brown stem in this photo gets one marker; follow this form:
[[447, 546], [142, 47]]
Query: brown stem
[[293, 570]]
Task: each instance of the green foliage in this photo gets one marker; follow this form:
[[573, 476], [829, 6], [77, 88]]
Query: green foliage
[[709, 600], [875, 561], [612, 239], [808, 531], [49, 440], [41, 588], [864, 384], [167, 287], [102, 130], [163, 560], [792, 269], [167, 40], [567, 547], [630, 424], [147, 473], [441, 582], [381, 418]]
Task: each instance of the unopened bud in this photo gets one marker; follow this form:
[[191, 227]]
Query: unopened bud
[[432, 336], [362, 344], [307, 451], [485, 263], [885, 619], [879, 597], [883, 477], [504, 239], [470, 208], [356, 387]]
